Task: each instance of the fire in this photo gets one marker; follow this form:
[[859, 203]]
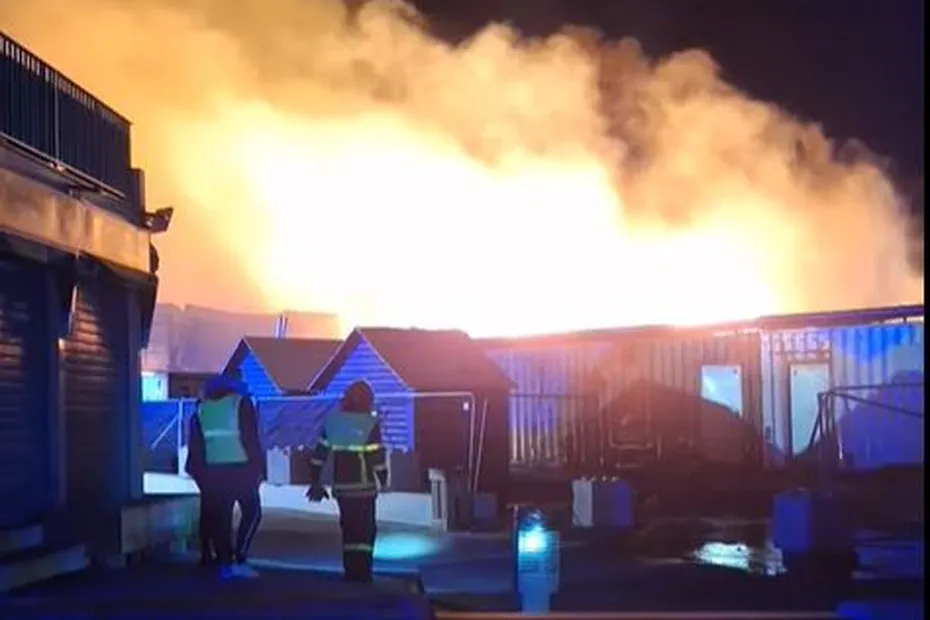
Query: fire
[[363, 167], [389, 226]]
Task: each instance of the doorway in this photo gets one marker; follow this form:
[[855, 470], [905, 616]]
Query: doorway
[[806, 381]]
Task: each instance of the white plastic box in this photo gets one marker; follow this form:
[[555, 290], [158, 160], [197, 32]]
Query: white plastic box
[[602, 503]]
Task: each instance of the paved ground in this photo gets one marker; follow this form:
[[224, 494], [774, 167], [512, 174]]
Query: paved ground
[[176, 590], [475, 571], [299, 556]]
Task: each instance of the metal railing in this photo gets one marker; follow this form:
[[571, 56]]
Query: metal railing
[[48, 116], [826, 442]]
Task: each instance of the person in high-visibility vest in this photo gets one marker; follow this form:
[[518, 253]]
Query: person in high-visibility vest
[[352, 436], [226, 460]]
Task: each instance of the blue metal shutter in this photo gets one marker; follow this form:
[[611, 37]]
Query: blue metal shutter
[[25, 355], [96, 376]]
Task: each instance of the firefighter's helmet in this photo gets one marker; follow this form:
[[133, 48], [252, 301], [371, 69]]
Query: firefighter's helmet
[[358, 398]]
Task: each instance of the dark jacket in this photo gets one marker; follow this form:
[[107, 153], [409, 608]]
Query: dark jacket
[[215, 389]]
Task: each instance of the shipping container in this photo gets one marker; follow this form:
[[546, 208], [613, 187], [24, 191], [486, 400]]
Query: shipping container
[[197, 339], [49, 116], [187, 384], [696, 390], [555, 393], [573, 394], [876, 372]]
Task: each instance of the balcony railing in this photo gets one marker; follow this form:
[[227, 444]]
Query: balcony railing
[[45, 113]]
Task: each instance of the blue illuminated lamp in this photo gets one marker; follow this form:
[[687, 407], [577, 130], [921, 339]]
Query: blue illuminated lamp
[[532, 533], [532, 540], [536, 560]]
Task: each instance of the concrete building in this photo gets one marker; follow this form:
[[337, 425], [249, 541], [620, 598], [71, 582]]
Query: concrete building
[[76, 297]]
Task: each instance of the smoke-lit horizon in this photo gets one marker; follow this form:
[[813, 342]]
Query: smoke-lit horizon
[[503, 185]]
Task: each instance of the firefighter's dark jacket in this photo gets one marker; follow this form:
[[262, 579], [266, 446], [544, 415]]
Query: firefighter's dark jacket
[[215, 390], [359, 462]]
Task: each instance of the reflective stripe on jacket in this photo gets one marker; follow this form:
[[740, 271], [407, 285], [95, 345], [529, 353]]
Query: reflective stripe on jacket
[[359, 461], [222, 439]]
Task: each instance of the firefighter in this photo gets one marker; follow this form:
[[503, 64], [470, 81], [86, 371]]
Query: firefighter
[[226, 460], [353, 437]]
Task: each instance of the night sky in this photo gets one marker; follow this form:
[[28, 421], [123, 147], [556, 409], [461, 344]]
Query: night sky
[[854, 66]]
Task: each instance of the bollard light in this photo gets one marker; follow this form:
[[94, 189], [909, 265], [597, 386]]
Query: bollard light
[[536, 555]]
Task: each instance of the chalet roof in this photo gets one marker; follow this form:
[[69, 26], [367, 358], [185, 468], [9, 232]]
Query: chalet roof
[[425, 360], [291, 363]]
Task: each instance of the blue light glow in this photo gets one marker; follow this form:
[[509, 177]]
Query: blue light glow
[[394, 547], [532, 540]]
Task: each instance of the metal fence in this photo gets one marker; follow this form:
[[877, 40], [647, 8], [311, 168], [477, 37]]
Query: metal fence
[[45, 113], [293, 423], [555, 430], [868, 447], [867, 427]]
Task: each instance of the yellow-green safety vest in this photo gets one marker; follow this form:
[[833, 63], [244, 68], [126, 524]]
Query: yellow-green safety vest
[[222, 440], [349, 432]]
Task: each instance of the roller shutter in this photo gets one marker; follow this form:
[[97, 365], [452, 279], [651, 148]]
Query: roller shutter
[[96, 389], [25, 363]]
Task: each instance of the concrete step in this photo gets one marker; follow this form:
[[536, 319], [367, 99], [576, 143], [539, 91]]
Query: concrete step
[[20, 539], [40, 564]]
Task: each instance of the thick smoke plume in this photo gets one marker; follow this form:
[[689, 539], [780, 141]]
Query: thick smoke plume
[[321, 158]]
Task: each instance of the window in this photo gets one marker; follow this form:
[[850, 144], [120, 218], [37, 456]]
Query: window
[[723, 385]]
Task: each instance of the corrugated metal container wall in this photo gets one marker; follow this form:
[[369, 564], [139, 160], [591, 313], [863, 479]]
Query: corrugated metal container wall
[[186, 384], [721, 372], [165, 330], [46, 112], [551, 397], [799, 364]]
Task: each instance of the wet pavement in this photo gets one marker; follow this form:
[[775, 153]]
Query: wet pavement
[[672, 567], [184, 590], [719, 566]]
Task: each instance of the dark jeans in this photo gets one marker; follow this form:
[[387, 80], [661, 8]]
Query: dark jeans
[[221, 487], [357, 520]]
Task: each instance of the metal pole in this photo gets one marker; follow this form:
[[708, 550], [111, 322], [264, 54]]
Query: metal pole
[[56, 117], [481, 434], [471, 439], [180, 419]]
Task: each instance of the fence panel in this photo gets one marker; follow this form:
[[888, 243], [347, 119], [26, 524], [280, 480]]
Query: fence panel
[[553, 430], [868, 445], [293, 422], [161, 433]]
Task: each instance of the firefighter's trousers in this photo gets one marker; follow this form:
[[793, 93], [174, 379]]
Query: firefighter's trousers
[[357, 520]]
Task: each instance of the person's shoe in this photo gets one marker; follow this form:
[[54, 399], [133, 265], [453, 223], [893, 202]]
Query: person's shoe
[[244, 571], [229, 572], [208, 560]]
